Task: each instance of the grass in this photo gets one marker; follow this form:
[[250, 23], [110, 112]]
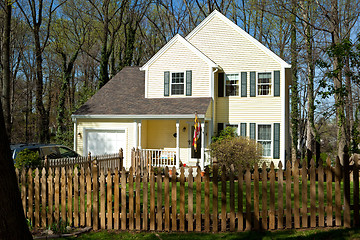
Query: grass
[[317, 234]]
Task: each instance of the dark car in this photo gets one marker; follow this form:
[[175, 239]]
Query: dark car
[[51, 150]]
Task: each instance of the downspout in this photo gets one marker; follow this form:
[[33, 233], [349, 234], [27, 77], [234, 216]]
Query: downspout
[[75, 134], [212, 125]]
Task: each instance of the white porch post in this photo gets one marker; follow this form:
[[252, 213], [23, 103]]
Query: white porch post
[[139, 124], [177, 144], [136, 134], [202, 162]]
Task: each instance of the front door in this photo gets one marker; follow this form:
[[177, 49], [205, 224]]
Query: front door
[[195, 153]]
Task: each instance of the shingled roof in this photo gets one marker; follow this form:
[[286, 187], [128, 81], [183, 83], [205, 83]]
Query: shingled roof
[[124, 94]]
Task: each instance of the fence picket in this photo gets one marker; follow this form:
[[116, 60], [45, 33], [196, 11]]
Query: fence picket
[[346, 189], [356, 191], [240, 200], [109, 183], [256, 198], [145, 199], [123, 200], [57, 195], [51, 194], [95, 178], [23, 190], [207, 201], [264, 210], [215, 199], [304, 215], [37, 198], [116, 199], [272, 197], [223, 199], [131, 198], [152, 200], [248, 199], [280, 197], [44, 196], [312, 194], [31, 197], [166, 200], [232, 199], [296, 195], [173, 201], [288, 195], [88, 197], [159, 201], [138, 206], [182, 200], [69, 198], [198, 200], [190, 201], [321, 193], [102, 200], [63, 194], [76, 197], [337, 192]]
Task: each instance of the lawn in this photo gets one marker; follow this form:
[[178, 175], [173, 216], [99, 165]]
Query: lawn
[[317, 234]]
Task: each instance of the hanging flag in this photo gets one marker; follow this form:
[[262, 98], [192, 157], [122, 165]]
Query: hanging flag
[[196, 132]]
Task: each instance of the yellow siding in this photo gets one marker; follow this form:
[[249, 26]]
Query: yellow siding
[[228, 48], [106, 124], [178, 58]]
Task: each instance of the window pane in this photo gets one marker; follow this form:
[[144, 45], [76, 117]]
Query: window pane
[[266, 148], [232, 84], [177, 89], [264, 132], [177, 77], [264, 83]]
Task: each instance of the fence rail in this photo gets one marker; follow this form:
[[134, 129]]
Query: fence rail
[[244, 199]]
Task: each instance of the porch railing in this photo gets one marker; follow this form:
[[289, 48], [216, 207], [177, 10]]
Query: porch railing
[[159, 158]]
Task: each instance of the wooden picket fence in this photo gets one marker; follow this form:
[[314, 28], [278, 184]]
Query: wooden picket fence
[[244, 199]]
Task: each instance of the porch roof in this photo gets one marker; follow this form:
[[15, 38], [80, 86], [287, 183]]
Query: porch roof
[[124, 96]]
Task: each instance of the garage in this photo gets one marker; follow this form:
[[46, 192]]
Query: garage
[[100, 142]]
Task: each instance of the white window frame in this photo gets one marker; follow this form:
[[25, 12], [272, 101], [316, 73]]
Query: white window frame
[[232, 125], [239, 84], [271, 84], [171, 83], [271, 138]]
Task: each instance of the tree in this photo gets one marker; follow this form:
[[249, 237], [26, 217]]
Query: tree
[[12, 220]]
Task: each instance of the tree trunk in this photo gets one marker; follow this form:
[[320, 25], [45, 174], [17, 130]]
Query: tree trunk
[[104, 61], [6, 68], [294, 86], [12, 220]]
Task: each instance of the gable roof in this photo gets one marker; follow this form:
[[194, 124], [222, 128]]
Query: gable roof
[[179, 38], [124, 97], [239, 30]]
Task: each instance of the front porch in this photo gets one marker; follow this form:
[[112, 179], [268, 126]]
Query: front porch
[[162, 143]]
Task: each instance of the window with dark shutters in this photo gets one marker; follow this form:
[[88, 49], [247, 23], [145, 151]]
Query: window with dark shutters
[[188, 83], [276, 83], [276, 140], [252, 130], [252, 84]]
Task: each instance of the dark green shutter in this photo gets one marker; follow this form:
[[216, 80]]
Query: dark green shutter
[[252, 130], [220, 127], [252, 84], [243, 129], [188, 82], [276, 83], [220, 84], [166, 83], [276, 140], [244, 84]]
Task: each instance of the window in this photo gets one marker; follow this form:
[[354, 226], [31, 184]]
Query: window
[[232, 84], [264, 84], [264, 138], [177, 83]]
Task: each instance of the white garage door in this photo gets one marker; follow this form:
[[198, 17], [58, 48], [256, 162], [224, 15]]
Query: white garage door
[[100, 142]]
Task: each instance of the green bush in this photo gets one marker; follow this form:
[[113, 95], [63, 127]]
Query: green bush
[[28, 159], [239, 151], [228, 132]]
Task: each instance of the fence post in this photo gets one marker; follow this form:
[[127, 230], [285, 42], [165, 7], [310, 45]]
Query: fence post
[[46, 163], [95, 179], [133, 157], [121, 158]]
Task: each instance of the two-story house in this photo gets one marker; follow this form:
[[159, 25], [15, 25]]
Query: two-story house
[[218, 71]]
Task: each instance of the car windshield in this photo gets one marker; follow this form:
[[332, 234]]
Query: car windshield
[[65, 152]]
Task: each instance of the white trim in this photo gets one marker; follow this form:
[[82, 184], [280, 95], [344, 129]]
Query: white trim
[[239, 30], [75, 135], [146, 83], [87, 129], [165, 116], [170, 83], [283, 112], [139, 125], [178, 38], [271, 138], [177, 144], [272, 84]]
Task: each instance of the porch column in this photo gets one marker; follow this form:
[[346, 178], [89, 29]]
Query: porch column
[[136, 134], [139, 124], [202, 161], [177, 144]]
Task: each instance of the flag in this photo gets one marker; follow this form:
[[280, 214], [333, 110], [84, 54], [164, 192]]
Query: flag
[[196, 132]]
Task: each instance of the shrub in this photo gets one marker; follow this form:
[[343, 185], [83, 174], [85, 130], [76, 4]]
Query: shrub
[[239, 151], [28, 159], [228, 132]]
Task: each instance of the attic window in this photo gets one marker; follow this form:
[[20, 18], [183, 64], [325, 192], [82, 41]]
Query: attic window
[[177, 83]]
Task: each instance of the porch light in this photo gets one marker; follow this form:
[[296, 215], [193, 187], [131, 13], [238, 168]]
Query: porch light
[[174, 135], [184, 129]]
